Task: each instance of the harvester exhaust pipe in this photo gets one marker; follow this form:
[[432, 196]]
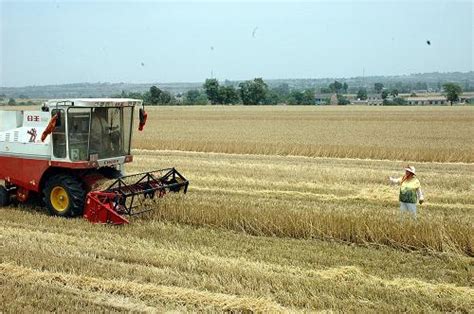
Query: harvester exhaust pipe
[[127, 194]]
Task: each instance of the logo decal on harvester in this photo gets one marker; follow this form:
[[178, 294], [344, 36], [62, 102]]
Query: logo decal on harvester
[[33, 118], [32, 134]]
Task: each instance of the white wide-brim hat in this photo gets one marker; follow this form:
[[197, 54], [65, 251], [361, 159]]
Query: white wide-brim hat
[[411, 169]]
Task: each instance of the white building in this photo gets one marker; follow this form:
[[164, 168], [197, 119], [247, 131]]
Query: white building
[[426, 100]]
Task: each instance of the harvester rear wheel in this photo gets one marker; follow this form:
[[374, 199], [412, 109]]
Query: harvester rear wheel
[[4, 196], [64, 195]]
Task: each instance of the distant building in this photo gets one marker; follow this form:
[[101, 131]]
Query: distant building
[[322, 99], [467, 98], [359, 102], [426, 100], [420, 91], [372, 100]]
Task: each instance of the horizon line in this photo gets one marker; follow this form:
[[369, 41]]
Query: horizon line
[[239, 80]]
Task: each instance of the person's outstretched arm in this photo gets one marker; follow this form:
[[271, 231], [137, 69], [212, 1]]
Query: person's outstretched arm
[[395, 180]]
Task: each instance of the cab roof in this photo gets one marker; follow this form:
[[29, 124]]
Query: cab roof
[[94, 102]]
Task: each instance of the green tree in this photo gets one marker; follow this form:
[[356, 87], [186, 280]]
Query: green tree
[[211, 87], [166, 98], [362, 94], [397, 101], [202, 100], [253, 92], [146, 98], [228, 95], [394, 92], [378, 87], [335, 87], [308, 97], [191, 96], [195, 97], [296, 98], [341, 100], [385, 94], [155, 94], [345, 87], [259, 90], [11, 102], [452, 91], [400, 101], [273, 98], [244, 89], [282, 91], [135, 95]]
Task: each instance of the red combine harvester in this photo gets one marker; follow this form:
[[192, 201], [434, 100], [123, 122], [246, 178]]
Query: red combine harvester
[[68, 149]]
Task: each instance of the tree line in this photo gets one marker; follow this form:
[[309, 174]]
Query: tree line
[[257, 92], [252, 92]]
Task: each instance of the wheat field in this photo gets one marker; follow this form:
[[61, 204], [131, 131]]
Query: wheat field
[[442, 134], [275, 222]]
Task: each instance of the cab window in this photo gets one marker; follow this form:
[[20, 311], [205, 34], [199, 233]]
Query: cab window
[[59, 135], [78, 130]]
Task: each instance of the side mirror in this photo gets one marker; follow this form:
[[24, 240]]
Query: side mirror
[[51, 126], [142, 115]]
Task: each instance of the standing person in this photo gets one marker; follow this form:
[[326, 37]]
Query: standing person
[[410, 191]]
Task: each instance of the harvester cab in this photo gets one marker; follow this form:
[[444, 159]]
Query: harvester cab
[[69, 149]]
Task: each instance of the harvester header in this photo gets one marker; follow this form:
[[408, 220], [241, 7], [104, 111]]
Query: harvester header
[[71, 146]]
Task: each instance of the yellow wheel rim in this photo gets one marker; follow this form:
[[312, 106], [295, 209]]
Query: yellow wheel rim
[[59, 199]]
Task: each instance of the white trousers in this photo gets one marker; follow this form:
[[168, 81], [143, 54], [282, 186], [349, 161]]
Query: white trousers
[[408, 208]]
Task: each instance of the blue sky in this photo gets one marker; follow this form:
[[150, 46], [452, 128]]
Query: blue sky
[[56, 42]]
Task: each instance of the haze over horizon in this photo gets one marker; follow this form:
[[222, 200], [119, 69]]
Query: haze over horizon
[[62, 42]]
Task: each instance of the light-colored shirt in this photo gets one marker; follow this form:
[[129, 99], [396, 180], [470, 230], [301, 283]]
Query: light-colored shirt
[[410, 190]]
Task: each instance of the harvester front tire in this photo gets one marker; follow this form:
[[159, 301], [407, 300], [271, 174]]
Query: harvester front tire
[[64, 196], [4, 196]]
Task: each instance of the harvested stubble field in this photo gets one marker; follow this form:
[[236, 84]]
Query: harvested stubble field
[[263, 232]]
